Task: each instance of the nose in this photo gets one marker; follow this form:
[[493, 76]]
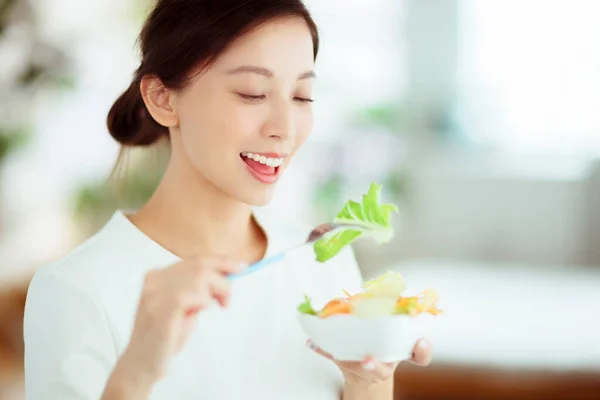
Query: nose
[[280, 121]]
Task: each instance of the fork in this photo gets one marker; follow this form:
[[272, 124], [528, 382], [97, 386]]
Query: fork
[[317, 233]]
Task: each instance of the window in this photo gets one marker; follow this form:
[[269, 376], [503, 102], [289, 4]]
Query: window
[[529, 75]]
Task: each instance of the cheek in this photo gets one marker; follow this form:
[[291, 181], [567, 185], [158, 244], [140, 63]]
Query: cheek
[[218, 123], [244, 121], [304, 124]]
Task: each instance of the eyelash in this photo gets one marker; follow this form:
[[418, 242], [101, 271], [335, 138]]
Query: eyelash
[[262, 97]]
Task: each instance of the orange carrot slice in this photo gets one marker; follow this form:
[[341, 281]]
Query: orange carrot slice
[[335, 307]]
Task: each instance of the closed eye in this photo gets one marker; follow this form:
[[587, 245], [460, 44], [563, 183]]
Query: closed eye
[[261, 97], [303, 99], [252, 97]]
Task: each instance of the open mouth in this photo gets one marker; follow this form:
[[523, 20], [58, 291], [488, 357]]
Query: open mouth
[[263, 166]]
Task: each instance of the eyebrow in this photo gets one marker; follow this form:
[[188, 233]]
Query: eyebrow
[[265, 72]]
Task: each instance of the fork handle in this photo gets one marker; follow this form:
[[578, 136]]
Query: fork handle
[[258, 265]]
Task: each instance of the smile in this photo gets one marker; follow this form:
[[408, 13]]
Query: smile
[[265, 160], [264, 167]]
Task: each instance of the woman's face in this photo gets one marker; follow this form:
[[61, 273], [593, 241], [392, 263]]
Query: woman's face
[[243, 119]]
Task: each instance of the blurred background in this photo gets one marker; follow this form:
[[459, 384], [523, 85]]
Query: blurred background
[[480, 118]]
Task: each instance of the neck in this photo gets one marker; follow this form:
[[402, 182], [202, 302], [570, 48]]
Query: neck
[[190, 216]]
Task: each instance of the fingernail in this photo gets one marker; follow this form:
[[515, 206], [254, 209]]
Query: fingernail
[[424, 344], [369, 365]]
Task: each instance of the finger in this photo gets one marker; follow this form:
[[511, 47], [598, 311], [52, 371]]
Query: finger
[[220, 288], [198, 293], [192, 312], [381, 371], [312, 345], [207, 283], [421, 353], [225, 266], [192, 301]]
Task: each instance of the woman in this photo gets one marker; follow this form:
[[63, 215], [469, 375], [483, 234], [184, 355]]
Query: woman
[[131, 313]]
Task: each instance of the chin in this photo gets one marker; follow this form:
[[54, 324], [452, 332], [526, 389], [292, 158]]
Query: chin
[[256, 197]]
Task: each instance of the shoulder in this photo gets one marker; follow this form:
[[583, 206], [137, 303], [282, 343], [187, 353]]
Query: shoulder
[[116, 256], [84, 262], [65, 291], [66, 329], [99, 276], [66, 287]]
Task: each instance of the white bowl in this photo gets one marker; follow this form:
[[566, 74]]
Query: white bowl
[[388, 338]]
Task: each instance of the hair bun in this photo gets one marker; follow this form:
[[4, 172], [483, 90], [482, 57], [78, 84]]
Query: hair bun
[[129, 122]]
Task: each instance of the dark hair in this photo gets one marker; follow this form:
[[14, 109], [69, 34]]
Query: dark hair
[[178, 38]]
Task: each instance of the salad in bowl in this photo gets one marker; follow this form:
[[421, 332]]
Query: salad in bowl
[[380, 320]]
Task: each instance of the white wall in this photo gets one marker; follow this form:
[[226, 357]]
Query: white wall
[[502, 209]]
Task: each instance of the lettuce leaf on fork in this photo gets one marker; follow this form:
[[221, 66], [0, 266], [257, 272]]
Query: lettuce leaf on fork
[[370, 214]]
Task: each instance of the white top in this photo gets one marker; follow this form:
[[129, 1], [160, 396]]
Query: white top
[[80, 312]]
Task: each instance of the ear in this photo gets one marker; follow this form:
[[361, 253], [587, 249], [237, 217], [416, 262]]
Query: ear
[[159, 101]]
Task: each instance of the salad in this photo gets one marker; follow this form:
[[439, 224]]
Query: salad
[[373, 216], [382, 295]]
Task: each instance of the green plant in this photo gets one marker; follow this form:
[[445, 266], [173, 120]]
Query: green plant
[[389, 118], [10, 141], [389, 115], [133, 183], [45, 66]]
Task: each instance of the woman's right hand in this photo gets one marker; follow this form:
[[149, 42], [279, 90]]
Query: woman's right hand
[[170, 301]]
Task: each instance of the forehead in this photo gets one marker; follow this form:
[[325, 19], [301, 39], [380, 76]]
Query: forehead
[[283, 45]]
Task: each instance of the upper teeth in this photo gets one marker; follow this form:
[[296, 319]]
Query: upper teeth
[[271, 162]]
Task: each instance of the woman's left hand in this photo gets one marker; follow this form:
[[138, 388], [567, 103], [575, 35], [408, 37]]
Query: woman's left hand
[[369, 370]]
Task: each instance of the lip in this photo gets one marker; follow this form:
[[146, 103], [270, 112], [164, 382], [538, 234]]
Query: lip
[[268, 179], [264, 178]]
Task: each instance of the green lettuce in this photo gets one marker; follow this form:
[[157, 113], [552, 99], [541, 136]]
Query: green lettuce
[[306, 307], [370, 214]]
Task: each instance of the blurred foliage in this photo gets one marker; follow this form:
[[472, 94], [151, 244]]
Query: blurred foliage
[[41, 65], [327, 195], [330, 192], [137, 171], [11, 140], [135, 178], [5, 7], [386, 115], [44, 63]]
